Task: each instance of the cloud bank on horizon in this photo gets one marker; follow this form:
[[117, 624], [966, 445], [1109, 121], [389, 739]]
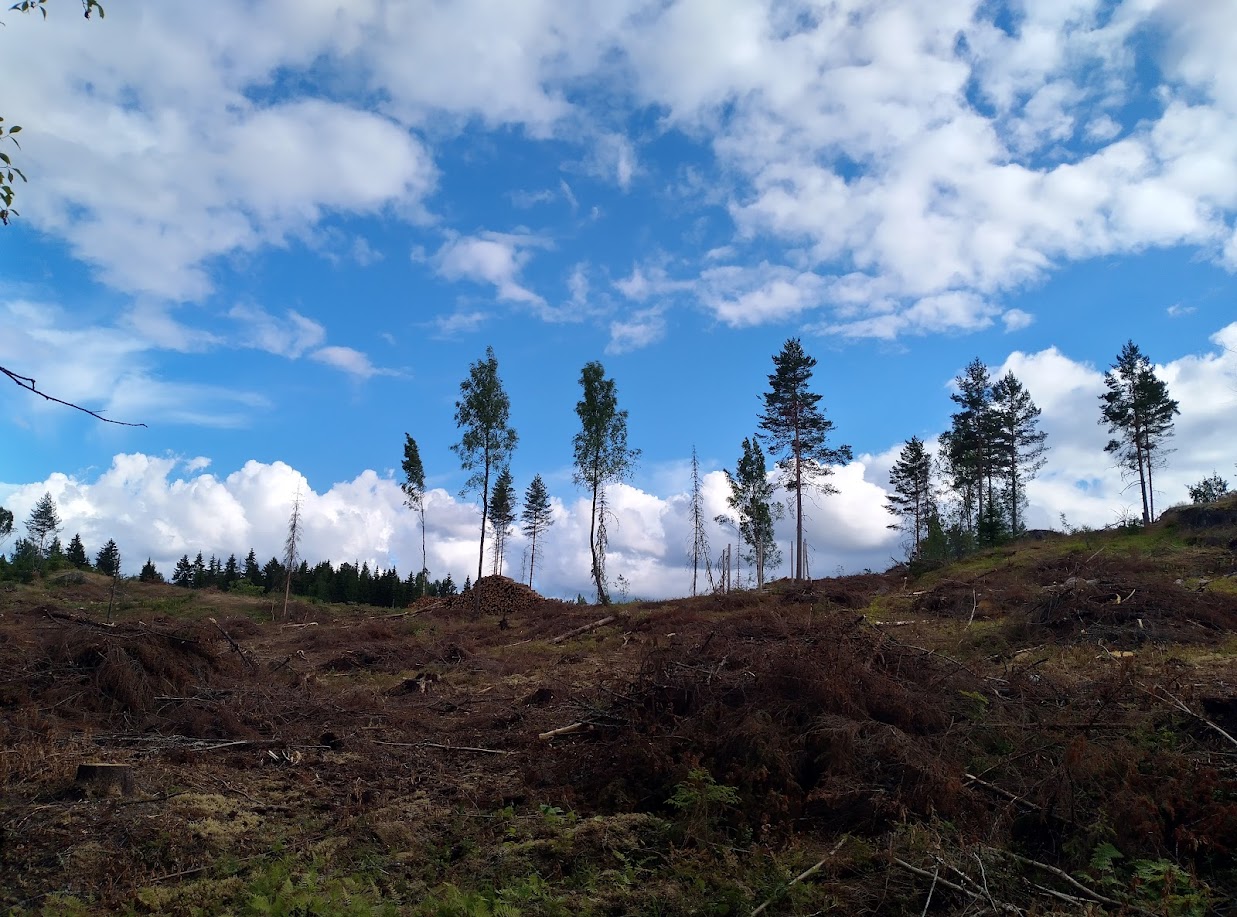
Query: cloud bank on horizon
[[162, 507]]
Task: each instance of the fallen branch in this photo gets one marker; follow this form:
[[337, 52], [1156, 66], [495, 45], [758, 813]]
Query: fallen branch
[[1184, 708], [485, 751], [1000, 791], [583, 630], [935, 876], [1072, 882], [563, 731], [77, 619], [410, 613], [803, 875], [236, 646]]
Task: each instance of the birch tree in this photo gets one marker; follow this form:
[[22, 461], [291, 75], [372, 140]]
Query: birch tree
[[601, 456], [751, 497], [487, 441]]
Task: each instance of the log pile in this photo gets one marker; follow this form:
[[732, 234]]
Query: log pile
[[500, 595]]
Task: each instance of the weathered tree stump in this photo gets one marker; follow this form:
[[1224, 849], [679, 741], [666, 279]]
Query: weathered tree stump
[[105, 779]]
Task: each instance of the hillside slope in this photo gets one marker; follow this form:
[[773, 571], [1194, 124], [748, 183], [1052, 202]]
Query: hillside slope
[[1044, 728]]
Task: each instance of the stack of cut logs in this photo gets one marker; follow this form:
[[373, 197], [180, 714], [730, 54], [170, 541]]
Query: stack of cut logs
[[500, 595]]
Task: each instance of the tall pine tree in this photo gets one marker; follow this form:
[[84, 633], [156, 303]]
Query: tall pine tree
[[795, 425], [1019, 444], [1139, 413], [502, 515], [969, 454], [912, 499]]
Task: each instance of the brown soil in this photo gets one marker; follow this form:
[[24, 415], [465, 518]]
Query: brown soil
[[1043, 701]]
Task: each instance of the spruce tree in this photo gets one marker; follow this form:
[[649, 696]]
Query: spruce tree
[[76, 553], [1018, 444], [107, 561], [273, 576], [149, 573], [1139, 413], [253, 573], [502, 515], [214, 571], [601, 457], [537, 517], [199, 572], [6, 523], [183, 574], [912, 498], [483, 414], [795, 424], [751, 497], [414, 489], [231, 573]]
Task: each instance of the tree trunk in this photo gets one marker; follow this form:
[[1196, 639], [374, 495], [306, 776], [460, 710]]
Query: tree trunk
[[798, 516], [424, 563], [485, 508], [602, 598]]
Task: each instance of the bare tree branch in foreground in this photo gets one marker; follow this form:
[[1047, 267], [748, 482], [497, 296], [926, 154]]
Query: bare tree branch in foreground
[[28, 384]]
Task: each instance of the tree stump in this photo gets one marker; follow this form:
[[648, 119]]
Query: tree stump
[[105, 779]]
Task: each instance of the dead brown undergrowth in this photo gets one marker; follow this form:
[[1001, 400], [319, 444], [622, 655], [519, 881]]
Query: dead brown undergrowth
[[1014, 707]]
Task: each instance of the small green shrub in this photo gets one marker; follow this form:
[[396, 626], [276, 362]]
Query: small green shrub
[[702, 802]]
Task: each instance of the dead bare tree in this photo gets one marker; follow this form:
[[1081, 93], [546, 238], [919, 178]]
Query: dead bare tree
[[290, 549], [700, 537]]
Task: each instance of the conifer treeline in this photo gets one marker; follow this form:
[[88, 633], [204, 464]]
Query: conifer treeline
[[324, 581], [973, 494]]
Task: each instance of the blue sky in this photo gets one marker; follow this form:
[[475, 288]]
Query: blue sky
[[279, 236]]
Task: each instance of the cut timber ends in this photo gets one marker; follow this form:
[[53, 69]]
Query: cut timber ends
[[105, 779]]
